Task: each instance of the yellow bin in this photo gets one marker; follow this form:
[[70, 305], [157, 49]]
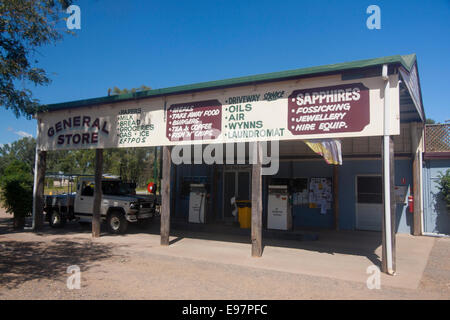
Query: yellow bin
[[244, 213]]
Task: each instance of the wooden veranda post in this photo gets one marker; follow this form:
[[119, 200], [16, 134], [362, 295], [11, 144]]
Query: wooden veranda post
[[393, 203], [96, 216], [389, 207], [392, 211], [416, 138], [38, 189], [165, 196], [214, 191], [257, 201]]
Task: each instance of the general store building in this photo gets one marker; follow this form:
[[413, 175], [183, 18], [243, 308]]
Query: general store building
[[371, 108]]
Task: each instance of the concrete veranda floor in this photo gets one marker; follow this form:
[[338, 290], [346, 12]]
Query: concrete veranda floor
[[341, 257]]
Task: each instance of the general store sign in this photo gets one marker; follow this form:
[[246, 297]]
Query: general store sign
[[322, 107]]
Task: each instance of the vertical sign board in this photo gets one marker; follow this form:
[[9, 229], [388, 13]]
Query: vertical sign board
[[320, 107]]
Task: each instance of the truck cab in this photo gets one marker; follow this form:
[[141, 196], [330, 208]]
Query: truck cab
[[119, 204]]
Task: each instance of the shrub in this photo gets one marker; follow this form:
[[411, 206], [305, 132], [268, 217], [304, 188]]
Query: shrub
[[17, 191], [444, 186]]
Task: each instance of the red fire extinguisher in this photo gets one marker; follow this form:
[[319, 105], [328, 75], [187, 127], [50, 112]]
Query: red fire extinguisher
[[411, 204]]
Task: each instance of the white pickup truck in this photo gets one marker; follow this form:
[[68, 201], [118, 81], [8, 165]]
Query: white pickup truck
[[119, 205]]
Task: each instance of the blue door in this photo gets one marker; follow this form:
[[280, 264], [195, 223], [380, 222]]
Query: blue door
[[436, 214]]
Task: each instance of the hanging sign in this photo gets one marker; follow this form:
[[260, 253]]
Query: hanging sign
[[317, 108]]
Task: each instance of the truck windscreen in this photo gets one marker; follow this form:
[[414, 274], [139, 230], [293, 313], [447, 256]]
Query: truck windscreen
[[117, 188]]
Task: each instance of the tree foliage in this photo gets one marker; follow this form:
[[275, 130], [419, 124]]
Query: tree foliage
[[116, 90], [25, 25], [16, 185], [133, 164], [22, 150], [444, 186]]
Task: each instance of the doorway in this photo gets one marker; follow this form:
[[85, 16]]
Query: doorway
[[369, 202], [237, 185]]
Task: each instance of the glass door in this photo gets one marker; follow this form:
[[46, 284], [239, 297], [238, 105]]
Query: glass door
[[237, 185], [369, 203]]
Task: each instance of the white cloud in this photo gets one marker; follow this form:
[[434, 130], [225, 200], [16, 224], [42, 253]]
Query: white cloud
[[20, 133], [23, 134]]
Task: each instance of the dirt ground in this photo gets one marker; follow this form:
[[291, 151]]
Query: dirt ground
[[34, 265]]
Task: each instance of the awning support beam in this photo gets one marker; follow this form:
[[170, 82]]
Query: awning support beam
[[257, 201], [38, 189], [165, 196], [416, 139], [96, 214], [388, 228]]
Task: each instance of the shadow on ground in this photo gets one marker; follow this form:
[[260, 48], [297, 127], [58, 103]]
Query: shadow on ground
[[360, 243], [71, 228], [22, 261]]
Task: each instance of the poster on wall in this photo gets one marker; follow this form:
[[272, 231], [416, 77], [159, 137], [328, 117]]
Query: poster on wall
[[320, 194]]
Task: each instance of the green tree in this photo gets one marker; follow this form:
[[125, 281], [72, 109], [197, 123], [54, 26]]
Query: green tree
[[84, 161], [116, 90], [25, 25], [133, 164], [23, 150], [16, 185], [444, 186], [61, 161]]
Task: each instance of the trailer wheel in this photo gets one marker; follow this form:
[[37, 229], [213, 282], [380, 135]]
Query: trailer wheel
[[57, 220], [117, 224]]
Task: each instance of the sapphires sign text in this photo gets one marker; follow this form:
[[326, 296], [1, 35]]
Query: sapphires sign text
[[344, 108]]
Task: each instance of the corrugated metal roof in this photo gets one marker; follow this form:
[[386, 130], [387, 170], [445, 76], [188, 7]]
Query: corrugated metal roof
[[407, 61]]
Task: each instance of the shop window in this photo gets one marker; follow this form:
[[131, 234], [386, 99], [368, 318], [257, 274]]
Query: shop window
[[370, 189]]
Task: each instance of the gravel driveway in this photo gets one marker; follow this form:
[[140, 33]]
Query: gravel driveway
[[33, 266]]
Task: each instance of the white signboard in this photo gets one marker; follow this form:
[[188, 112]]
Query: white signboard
[[320, 107]]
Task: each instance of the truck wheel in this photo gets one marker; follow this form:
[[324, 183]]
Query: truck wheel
[[57, 220], [117, 223]]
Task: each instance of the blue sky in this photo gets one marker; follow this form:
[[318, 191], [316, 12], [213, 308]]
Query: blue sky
[[167, 43]]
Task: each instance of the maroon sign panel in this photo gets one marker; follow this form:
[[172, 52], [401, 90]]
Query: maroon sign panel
[[194, 121], [344, 108]]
